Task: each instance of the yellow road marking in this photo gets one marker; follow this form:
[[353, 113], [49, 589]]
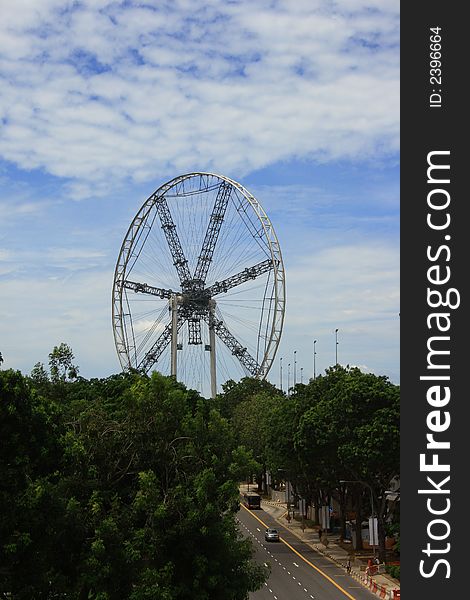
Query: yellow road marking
[[302, 557]]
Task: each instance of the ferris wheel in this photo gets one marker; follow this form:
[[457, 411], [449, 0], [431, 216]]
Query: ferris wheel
[[199, 285]]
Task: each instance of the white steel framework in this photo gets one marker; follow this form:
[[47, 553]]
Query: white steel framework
[[200, 261]]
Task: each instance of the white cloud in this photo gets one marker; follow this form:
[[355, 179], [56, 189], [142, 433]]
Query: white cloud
[[93, 91], [347, 283], [11, 211], [353, 287]]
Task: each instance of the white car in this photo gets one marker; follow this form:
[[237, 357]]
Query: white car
[[271, 535]]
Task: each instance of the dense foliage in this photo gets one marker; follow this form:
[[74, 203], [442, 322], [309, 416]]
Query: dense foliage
[[125, 487]]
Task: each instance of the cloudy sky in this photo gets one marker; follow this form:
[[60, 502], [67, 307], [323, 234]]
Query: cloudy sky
[[102, 102]]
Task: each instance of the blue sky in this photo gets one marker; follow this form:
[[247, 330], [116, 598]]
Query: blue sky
[[102, 102]]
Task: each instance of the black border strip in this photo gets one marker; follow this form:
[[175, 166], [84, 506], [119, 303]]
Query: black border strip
[[433, 120]]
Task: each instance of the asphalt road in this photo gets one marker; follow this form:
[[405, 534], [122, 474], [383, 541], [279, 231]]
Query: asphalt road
[[297, 571]]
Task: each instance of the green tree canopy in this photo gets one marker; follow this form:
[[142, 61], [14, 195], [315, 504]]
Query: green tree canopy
[[124, 488], [61, 363]]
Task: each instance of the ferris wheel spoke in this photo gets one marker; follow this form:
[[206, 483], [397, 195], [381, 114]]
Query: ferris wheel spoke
[[174, 244], [212, 232], [239, 278], [147, 289], [152, 355], [235, 347]]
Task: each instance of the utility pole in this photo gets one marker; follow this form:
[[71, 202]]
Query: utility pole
[[314, 355], [295, 367], [336, 333]]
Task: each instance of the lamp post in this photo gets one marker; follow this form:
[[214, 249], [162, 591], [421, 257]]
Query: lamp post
[[280, 362], [314, 355], [301, 374], [295, 367], [288, 379], [364, 483], [336, 334]]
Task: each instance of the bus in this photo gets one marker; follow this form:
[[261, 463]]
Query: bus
[[252, 500]]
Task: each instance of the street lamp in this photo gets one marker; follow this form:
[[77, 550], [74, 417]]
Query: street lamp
[[372, 536], [301, 374], [336, 334], [288, 379], [280, 362], [314, 354], [295, 369]]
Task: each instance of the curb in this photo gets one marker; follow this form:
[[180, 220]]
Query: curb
[[367, 581]]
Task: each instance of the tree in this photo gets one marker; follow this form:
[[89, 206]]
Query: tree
[[132, 495], [39, 374], [250, 420], [354, 428], [236, 392], [61, 364], [30, 431]]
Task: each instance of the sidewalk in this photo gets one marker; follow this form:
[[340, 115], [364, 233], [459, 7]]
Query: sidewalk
[[382, 584]]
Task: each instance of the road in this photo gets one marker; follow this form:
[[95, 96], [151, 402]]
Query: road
[[297, 571]]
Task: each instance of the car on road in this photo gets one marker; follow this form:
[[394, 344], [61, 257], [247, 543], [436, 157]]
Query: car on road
[[271, 535]]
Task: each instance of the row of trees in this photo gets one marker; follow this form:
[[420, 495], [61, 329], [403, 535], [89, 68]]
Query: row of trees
[[124, 487], [340, 428]]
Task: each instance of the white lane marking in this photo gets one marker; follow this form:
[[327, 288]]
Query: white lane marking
[[295, 565], [258, 529]]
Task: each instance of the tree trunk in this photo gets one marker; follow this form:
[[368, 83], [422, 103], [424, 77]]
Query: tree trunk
[[342, 512], [358, 508], [317, 513]]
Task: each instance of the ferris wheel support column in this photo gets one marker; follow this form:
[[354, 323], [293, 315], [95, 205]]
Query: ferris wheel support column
[[212, 350], [174, 333]]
